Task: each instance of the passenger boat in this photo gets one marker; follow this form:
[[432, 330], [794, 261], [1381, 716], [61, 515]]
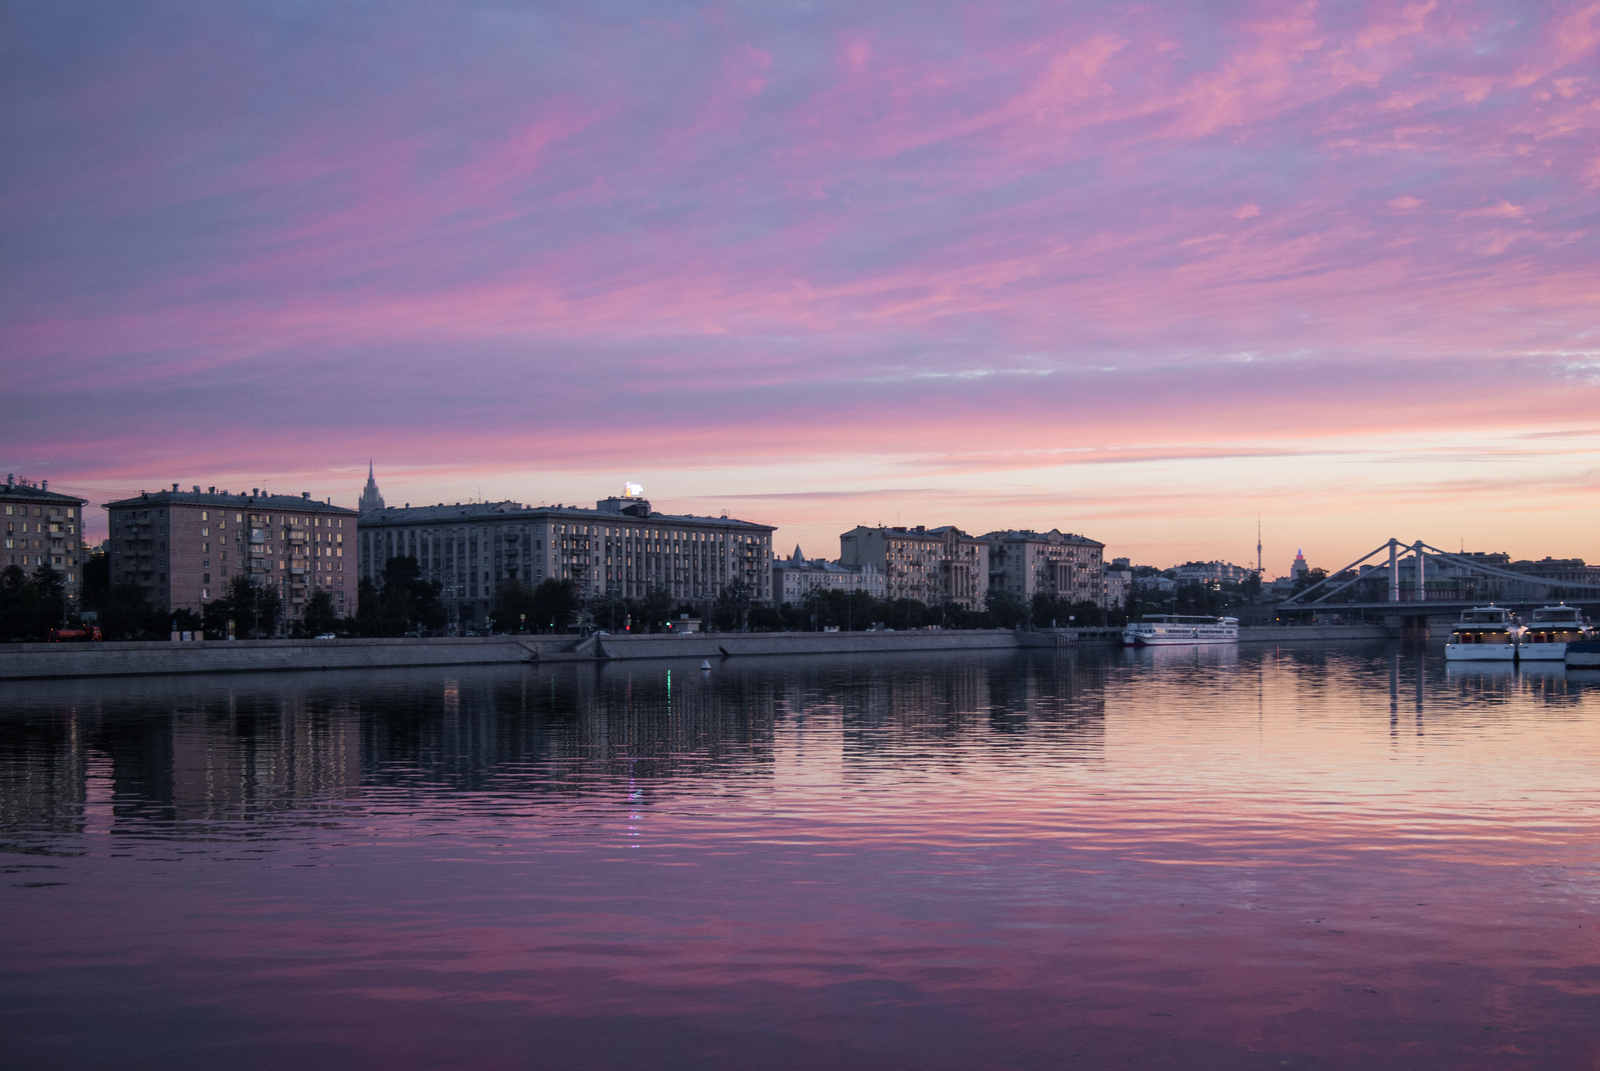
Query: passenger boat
[[1160, 630], [1484, 634], [1549, 630]]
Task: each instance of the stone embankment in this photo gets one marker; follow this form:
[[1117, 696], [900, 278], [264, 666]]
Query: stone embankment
[[33, 660], [25, 661]]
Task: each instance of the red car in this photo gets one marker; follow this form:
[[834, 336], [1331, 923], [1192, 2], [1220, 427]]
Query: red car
[[87, 634]]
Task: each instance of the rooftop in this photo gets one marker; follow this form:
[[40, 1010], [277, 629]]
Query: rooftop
[[302, 503], [445, 512], [15, 489]]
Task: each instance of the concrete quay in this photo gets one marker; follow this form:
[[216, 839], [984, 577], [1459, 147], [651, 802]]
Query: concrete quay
[[1313, 633], [714, 645], [25, 661]]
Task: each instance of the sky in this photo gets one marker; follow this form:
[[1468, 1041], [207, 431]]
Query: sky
[[1141, 272]]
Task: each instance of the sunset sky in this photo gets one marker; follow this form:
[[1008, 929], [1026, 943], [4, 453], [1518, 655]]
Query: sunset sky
[[1140, 272]]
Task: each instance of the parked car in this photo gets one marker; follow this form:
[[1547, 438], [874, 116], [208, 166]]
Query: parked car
[[327, 636]]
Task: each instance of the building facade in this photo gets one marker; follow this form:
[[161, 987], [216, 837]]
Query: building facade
[[930, 565], [1119, 583], [185, 547], [1211, 574], [797, 578], [621, 548], [44, 527], [1066, 566], [1558, 571]]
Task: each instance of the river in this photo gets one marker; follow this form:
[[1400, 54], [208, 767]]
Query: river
[[1315, 857]]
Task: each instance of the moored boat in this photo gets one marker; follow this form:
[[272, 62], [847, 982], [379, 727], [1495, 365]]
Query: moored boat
[[1548, 631], [1162, 630], [1584, 654], [1483, 634]]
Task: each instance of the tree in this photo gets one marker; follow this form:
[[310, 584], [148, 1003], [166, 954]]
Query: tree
[[400, 601], [553, 605], [254, 607], [1005, 609], [1308, 579], [731, 608], [96, 584], [26, 610], [513, 608], [1251, 587], [319, 616], [126, 614]]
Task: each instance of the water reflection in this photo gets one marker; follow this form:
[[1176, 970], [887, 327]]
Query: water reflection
[[204, 748], [1210, 857]]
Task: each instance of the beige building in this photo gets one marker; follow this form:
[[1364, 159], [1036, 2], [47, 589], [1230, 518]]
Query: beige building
[[1066, 566], [185, 547], [931, 565], [621, 548], [43, 527], [797, 578]]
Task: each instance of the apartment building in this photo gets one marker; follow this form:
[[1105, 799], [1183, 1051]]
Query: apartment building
[[1066, 566], [797, 578], [931, 565], [1211, 574], [620, 548], [43, 527], [184, 547]]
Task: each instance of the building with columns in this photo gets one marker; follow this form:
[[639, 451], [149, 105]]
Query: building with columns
[[1066, 566], [621, 548], [930, 565]]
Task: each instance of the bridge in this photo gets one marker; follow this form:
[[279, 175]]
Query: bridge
[[1413, 603]]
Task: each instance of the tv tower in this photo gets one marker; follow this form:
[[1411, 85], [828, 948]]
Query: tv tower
[[1258, 544]]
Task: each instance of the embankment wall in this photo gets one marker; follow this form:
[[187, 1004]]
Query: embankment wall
[[715, 645], [47, 660], [37, 660]]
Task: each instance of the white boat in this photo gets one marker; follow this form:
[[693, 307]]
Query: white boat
[[1484, 634], [1163, 630], [1549, 630]]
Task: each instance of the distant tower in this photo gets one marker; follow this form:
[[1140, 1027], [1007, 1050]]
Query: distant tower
[[370, 498], [1299, 568], [1258, 544]]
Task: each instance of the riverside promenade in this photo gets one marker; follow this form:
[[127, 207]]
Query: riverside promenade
[[34, 661]]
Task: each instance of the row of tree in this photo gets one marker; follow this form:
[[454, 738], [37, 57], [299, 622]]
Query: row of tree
[[557, 605]]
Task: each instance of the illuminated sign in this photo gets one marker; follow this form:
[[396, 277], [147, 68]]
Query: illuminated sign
[[632, 490]]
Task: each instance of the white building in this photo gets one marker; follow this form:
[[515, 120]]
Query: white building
[[621, 548], [797, 578], [1211, 574]]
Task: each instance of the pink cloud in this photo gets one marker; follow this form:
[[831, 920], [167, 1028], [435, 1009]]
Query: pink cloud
[[602, 240]]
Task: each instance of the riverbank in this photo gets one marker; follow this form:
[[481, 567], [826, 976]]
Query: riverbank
[[25, 661]]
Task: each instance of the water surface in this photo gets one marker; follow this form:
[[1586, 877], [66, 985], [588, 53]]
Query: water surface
[[1343, 857]]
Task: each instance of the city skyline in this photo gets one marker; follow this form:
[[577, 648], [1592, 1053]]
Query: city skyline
[[1143, 274]]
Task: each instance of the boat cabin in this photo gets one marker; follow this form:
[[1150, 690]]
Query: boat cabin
[[1556, 624], [1483, 624], [1557, 615], [1486, 615]]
